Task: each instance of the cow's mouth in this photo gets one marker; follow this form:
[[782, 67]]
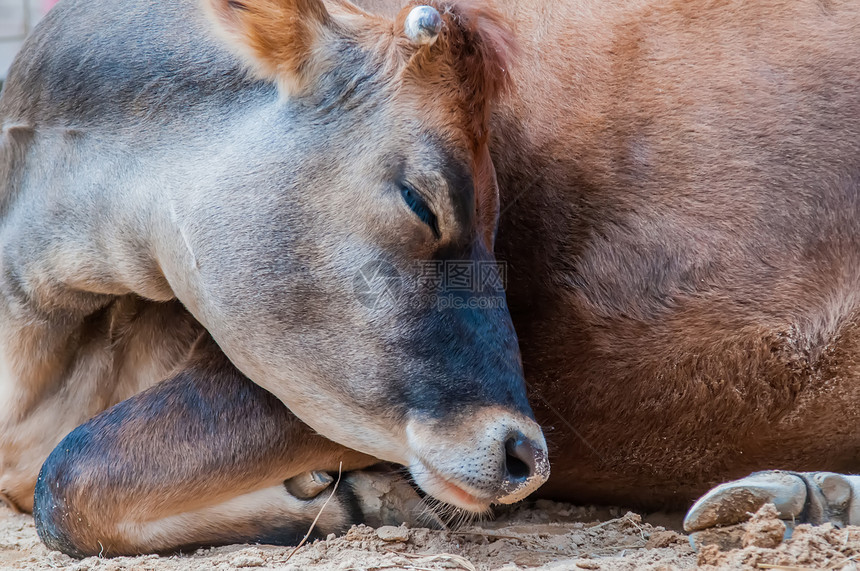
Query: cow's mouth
[[444, 489]]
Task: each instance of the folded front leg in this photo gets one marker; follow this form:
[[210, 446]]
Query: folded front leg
[[204, 458]]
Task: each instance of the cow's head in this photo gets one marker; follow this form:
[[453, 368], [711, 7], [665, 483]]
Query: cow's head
[[317, 243]]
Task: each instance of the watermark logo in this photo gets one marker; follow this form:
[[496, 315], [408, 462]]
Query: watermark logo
[[377, 284], [440, 284]]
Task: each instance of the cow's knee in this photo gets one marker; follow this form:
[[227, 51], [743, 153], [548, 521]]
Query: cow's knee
[[62, 477]]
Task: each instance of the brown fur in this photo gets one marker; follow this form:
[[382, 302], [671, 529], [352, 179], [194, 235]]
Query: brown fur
[[279, 36], [476, 47], [468, 66], [680, 218]]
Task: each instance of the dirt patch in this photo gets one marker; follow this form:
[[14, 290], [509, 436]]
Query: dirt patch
[[540, 535]]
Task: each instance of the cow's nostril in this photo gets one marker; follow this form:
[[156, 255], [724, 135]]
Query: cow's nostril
[[519, 458]]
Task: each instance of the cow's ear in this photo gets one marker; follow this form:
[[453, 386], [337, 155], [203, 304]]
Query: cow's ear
[[278, 39]]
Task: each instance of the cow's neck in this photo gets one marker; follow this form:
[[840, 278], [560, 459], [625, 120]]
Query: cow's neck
[[71, 248]]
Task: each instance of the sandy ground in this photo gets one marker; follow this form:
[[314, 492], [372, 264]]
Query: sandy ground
[[541, 535]]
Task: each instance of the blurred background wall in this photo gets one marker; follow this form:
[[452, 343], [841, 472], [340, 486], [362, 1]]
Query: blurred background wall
[[17, 18]]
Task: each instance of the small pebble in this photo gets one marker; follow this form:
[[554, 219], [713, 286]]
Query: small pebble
[[529, 559], [330, 537], [391, 533]]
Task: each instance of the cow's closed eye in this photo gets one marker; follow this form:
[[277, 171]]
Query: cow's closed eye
[[420, 207]]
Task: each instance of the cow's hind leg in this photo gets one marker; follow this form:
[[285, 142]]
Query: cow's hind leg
[[799, 497], [204, 458]]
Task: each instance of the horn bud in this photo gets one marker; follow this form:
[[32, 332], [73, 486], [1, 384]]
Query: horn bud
[[423, 25]]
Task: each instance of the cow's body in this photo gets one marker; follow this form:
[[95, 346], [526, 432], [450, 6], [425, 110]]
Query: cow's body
[[680, 194], [679, 216]]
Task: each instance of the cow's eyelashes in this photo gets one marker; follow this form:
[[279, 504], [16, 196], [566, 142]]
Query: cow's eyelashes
[[420, 207]]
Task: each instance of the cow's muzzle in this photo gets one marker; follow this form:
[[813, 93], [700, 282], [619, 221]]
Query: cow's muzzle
[[481, 458]]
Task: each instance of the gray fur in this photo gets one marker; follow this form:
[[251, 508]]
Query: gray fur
[[141, 161]]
